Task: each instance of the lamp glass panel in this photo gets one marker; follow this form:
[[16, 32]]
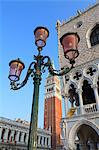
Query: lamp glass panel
[[41, 35], [40, 43], [15, 70], [13, 78], [69, 42], [71, 55], [19, 69]]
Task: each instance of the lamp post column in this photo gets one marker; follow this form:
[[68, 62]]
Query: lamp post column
[[32, 142]]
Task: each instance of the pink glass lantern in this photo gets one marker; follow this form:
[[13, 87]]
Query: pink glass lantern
[[41, 34], [69, 42], [16, 67]]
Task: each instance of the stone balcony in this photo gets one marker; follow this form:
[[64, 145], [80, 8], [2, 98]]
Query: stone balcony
[[86, 109]]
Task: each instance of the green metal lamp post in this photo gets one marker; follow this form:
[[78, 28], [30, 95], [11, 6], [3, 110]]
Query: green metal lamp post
[[69, 42]]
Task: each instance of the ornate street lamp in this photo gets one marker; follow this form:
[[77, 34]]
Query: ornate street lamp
[[37, 67]]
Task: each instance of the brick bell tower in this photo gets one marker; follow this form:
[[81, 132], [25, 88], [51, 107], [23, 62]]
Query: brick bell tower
[[53, 109]]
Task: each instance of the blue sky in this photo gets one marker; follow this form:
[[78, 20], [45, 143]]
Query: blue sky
[[18, 19]]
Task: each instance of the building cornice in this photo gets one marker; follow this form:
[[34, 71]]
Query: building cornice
[[79, 14]]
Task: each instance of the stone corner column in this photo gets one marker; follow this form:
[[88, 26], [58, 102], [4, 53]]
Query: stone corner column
[[95, 88], [66, 104], [81, 101]]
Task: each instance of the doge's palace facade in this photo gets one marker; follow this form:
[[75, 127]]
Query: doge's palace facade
[[81, 85], [14, 135]]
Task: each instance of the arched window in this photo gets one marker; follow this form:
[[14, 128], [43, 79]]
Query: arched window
[[94, 38]]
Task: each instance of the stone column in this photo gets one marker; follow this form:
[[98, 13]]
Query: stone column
[[96, 95], [97, 145], [1, 132], [49, 142], [66, 130], [39, 139], [42, 140], [81, 101], [80, 146], [22, 137], [27, 136], [66, 104], [63, 129], [17, 136], [46, 141], [6, 135], [12, 136], [92, 146]]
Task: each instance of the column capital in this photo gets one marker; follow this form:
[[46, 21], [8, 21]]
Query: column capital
[[65, 96], [80, 91], [94, 86]]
